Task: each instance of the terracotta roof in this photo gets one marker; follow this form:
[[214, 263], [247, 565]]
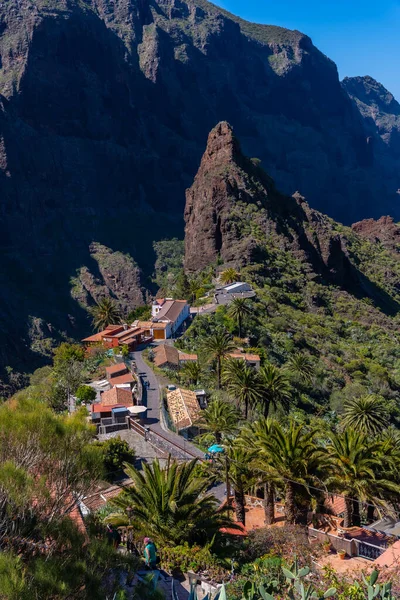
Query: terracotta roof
[[126, 378], [97, 337], [98, 498], [117, 396], [171, 310], [108, 331], [119, 368], [165, 354], [102, 408], [367, 535], [336, 505], [183, 356], [127, 332], [390, 558], [183, 407], [152, 325], [245, 356]]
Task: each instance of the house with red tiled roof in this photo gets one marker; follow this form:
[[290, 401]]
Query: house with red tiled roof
[[118, 335], [119, 374], [251, 360], [116, 395], [166, 356]]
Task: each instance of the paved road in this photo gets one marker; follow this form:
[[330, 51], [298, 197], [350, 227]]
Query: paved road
[[152, 399]]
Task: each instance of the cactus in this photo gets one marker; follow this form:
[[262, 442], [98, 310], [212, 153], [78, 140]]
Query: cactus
[[376, 590]]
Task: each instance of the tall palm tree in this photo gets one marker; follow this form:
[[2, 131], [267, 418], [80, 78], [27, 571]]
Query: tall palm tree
[[267, 477], [243, 383], [105, 313], [296, 457], [300, 366], [219, 419], [191, 372], [359, 473], [276, 388], [170, 504], [241, 475], [229, 276], [216, 347], [367, 414], [194, 286], [238, 309]]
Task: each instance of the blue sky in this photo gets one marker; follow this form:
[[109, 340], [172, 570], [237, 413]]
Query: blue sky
[[362, 37]]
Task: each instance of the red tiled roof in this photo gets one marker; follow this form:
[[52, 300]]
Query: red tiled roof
[[117, 396], [96, 499], [101, 408], [127, 378], [336, 505], [108, 331], [390, 558], [244, 356], [97, 337], [120, 368], [166, 354]]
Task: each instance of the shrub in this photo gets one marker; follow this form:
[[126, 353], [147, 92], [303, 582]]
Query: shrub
[[85, 393]]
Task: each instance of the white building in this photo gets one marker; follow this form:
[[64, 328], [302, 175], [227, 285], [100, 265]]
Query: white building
[[237, 288], [170, 315]]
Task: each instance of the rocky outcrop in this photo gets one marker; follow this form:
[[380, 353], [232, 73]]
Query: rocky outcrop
[[233, 211], [383, 231], [117, 277]]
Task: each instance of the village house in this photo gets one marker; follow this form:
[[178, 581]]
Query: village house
[[118, 396], [171, 312], [166, 356], [183, 408], [119, 375], [251, 360], [114, 336], [239, 287]]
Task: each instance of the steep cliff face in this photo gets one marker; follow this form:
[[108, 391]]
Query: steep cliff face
[[233, 209], [111, 275], [105, 108]]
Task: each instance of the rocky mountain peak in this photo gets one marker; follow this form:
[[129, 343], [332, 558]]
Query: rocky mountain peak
[[222, 146], [233, 210]]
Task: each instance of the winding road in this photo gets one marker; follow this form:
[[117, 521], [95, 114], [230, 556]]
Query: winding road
[[152, 399]]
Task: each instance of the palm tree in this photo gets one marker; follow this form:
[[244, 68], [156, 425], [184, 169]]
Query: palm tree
[[301, 366], [218, 346], [238, 309], [240, 474], [243, 383], [194, 286], [105, 313], [367, 414], [267, 477], [191, 372], [276, 388], [294, 456], [229, 276], [219, 419], [359, 473], [170, 504]]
